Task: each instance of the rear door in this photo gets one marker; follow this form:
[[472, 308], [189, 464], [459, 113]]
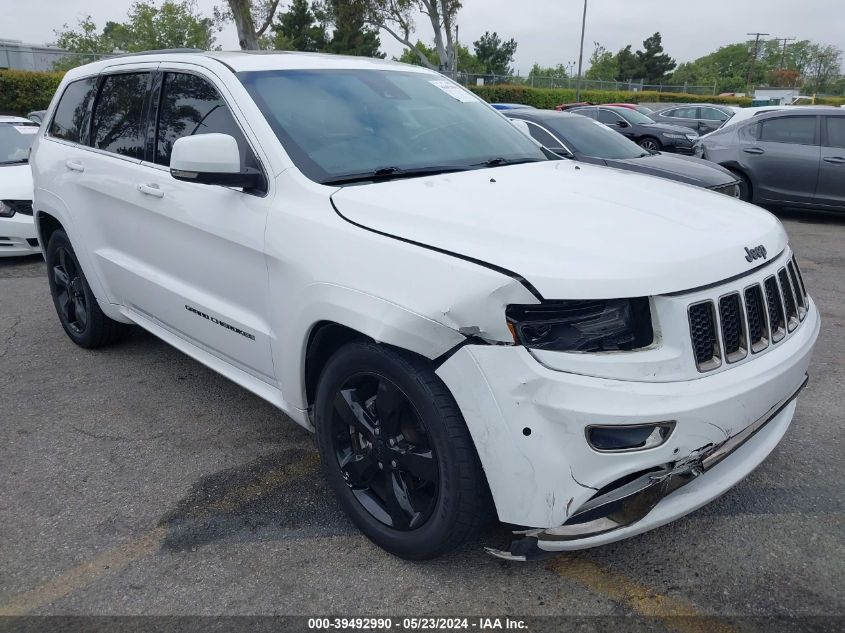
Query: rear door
[[191, 256], [831, 187], [782, 155]]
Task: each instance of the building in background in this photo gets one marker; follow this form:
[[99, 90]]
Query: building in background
[[17, 55]]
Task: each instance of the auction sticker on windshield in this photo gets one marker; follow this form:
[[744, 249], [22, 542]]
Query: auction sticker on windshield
[[453, 90]]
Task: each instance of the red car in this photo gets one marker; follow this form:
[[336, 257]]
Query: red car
[[566, 106]]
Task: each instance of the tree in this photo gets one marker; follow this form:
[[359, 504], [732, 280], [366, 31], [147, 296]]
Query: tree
[[396, 17], [352, 34], [654, 62], [247, 14], [467, 62], [603, 64], [628, 66], [494, 54], [825, 67], [173, 24], [297, 29]]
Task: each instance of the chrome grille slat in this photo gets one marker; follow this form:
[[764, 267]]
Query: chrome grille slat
[[774, 306], [732, 326], [758, 320], [704, 335], [799, 294], [789, 301]]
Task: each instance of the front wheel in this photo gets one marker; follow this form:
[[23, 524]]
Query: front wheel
[[397, 453], [80, 315], [650, 144]]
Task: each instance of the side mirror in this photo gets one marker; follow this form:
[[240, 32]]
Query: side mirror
[[621, 124], [211, 159]]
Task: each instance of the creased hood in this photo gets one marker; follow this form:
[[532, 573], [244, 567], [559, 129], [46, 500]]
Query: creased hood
[[574, 231]]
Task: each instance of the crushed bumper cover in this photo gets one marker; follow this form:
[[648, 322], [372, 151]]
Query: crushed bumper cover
[[633, 501]]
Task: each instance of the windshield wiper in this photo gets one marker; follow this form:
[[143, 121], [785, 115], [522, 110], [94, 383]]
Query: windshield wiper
[[390, 173], [20, 161], [500, 162]]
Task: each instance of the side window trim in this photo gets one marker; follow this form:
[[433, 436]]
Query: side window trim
[[156, 93], [85, 141], [144, 110], [546, 130], [817, 139]]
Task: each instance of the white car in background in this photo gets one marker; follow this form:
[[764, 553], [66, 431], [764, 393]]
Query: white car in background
[[17, 230]]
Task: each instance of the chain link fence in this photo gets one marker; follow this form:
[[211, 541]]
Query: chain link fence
[[533, 81]]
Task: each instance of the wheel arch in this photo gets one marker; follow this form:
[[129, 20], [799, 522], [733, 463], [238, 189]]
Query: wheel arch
[[45, 226]]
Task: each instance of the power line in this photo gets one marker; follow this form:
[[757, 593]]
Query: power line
[[757, 37]]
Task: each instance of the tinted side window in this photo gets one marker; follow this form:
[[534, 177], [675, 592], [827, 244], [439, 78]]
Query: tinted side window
[[835, 131], [682, 113], [606, 116], [589, 112], [800, 130], [70, 121], [542, 136], [712, 114], [117, 124], [190, 105]]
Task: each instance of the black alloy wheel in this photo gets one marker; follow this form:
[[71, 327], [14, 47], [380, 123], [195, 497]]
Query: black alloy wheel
[[384, 452], [70, 292], [650, 144], [83, 320], [397, 452]]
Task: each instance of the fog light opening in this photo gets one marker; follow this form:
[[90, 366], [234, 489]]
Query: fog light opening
[[628, 437]]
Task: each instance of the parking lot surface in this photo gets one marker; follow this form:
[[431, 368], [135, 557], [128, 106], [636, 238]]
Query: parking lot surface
[[136, 481]]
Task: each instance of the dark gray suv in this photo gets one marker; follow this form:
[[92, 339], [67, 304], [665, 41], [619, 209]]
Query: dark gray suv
[[792, 157]]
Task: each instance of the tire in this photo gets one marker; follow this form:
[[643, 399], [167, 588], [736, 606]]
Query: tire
[[76, 306], [428, 515], [746, 193], [650, 144]]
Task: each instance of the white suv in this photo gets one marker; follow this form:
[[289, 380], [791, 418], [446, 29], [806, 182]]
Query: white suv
[[469, 324]]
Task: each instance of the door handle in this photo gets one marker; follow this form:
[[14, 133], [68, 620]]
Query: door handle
[[74, 165], [151, 190], [753, 150], [836, 160]]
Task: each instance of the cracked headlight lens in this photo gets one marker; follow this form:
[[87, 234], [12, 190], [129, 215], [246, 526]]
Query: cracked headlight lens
[[583, 326]]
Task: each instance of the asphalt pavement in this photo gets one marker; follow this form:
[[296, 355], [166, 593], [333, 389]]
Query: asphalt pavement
[[135, 481]]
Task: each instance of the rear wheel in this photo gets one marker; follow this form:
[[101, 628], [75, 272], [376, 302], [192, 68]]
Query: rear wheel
[[80, 315], [650, 144], [397, 453]]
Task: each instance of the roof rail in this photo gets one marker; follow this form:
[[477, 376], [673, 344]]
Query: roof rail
[[161, 51]]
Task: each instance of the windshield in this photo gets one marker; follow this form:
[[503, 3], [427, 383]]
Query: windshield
[[341, 124], [15, 139], [632, 116], [592, 138]]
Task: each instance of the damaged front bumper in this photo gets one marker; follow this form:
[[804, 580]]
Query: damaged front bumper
[[634, 500], [530, 425]]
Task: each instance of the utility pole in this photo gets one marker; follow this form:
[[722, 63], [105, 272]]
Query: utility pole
[[757, 37], [581, 54], [783, 50], [455, 54]]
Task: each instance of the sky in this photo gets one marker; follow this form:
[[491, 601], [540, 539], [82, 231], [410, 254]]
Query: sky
[[547, 31]]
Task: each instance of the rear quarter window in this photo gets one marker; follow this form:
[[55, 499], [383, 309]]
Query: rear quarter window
[[70, 121]]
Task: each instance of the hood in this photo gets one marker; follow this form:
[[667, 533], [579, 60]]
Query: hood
[[574, 231], [687, 169], [668, 127], [15, 182]]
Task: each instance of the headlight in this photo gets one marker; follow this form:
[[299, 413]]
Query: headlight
[[6, 210], [692, 138], [698, 150], [682, 137], [583, 326]]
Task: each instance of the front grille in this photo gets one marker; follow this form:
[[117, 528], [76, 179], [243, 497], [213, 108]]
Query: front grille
[[758, 325], [702, 327], [733, 327], [760, 315]]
